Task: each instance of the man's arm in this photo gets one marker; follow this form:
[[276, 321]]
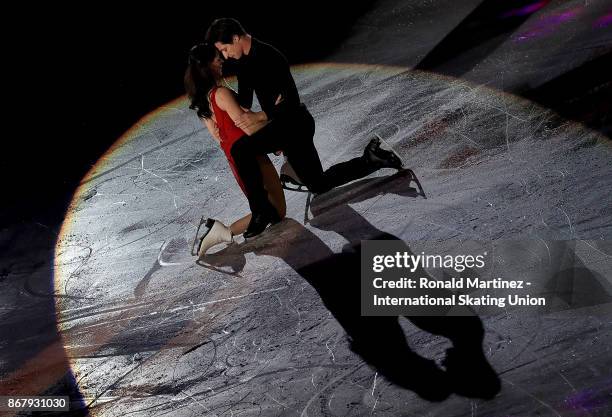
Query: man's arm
[[248, 119], [287, 97], [279, 83], [245, 91], [278, 93]]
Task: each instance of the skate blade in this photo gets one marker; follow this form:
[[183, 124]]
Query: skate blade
[[399, 158], [299, 188], [195, 242], [291, 184], [195, 245]]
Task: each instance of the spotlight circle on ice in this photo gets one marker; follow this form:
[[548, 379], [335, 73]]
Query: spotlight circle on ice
[[492, 166]]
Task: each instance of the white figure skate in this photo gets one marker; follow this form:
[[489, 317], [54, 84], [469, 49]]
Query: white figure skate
[[216, 232]]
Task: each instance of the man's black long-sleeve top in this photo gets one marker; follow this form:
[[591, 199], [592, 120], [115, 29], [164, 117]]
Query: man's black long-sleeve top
[[266, 72]]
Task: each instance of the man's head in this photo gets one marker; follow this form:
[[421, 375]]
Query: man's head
[[228, 36]]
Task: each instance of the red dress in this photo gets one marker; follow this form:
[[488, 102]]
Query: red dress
[[228, 132]]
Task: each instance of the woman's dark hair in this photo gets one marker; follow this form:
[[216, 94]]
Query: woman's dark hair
[[199, 78], [223, 30]]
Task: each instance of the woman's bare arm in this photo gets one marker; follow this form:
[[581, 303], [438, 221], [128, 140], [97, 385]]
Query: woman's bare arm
[[212, 128], [227, 102]]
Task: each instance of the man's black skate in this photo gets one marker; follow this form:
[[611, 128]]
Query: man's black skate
[[381, 158], [290, 180]]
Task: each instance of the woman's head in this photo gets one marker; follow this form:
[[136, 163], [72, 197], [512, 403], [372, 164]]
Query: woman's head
[[203, 72]]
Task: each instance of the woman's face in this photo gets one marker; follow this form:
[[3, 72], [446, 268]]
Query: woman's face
[[217, 66]]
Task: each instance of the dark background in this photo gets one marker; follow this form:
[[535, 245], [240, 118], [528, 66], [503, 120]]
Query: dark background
[[86, 73]]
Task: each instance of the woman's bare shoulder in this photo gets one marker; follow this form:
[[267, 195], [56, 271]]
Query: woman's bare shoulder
[[224, 96], [224, 91]]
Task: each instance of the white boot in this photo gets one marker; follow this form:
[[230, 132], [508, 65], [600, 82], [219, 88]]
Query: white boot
[[217, 233]]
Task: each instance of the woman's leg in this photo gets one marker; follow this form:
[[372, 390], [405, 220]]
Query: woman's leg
[[273, 187], [240, 225]]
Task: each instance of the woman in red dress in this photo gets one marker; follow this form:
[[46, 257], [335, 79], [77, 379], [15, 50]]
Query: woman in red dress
[[217, 107]]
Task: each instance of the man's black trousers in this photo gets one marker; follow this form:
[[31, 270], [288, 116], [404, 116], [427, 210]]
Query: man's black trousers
[[292, 133]]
